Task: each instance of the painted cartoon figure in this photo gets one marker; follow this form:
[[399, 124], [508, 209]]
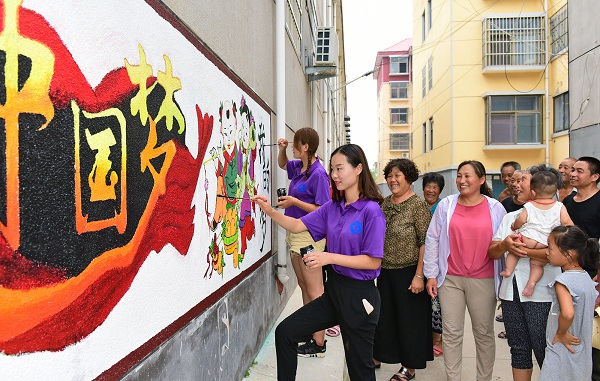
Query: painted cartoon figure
[[247, 185], [227, 171]]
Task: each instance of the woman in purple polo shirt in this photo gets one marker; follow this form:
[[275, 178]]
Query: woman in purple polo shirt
[[354, 226], [309, 189]]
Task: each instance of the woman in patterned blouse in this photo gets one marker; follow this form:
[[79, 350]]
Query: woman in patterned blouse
[[404, 331]]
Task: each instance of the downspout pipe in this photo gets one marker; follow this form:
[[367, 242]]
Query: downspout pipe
[[280, 127], [546, 90]]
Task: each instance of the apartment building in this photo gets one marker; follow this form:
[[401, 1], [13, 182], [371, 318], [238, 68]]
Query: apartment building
[[394, 91], [492, 85], [584, 60]]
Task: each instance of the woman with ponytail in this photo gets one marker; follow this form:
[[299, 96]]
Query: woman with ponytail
[[354, 226], [308, 190]]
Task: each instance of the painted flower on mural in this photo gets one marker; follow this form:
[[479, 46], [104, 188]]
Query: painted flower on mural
[[93, 180]]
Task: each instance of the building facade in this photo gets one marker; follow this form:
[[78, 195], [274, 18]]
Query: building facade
[[135, 133], [584, 60], [394, 91], [493, 85]]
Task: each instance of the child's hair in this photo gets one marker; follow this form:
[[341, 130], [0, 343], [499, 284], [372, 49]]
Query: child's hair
[[544, 183], [308, 136], [573, 238], [367, 187]]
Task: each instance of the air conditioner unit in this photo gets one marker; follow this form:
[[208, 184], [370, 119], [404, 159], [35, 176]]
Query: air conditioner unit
[[327, 47], [405, 155]]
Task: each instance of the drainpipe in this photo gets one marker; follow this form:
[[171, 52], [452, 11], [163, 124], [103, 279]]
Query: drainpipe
[[280, 127], [313, 89], [451, 95], [547, 95], [325, 82]]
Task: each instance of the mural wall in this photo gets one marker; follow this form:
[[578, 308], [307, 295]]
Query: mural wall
[[129, 160]]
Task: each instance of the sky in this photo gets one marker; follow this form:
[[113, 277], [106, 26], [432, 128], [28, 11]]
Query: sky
[[369, 27]]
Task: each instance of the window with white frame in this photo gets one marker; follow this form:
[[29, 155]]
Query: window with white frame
[[430, 71], [399, 141], [424, 137], [424, 82], [423, 27], [398, 65], [514, 41], [559, 30], [399, 90], [399, 115], [514, 119], [293, 23], [430, 134], [561, 112], [429, 17]]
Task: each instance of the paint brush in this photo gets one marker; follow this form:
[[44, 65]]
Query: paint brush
[[240, 198], [237, 198]]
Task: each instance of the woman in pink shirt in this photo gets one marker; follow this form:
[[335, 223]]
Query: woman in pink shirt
[[457, 266]]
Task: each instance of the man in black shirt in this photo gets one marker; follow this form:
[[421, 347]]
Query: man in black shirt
[[584, 208], [584, 205]]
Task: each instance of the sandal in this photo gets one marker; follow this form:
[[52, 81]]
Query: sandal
[[403, 375], [333, 331], [502, 335], [437, 351], [500, 318]]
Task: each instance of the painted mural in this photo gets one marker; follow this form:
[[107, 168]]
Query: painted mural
[[129, 163]]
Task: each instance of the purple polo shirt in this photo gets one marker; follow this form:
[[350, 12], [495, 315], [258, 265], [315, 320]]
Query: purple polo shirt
[[358, 228], [314, 190]]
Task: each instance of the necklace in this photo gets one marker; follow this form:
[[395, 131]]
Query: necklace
[[544, 203]]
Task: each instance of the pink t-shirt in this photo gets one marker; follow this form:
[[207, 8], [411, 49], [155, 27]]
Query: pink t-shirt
[[470, 236]]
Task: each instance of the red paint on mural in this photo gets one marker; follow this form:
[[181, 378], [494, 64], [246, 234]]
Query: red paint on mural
[[42, 308]]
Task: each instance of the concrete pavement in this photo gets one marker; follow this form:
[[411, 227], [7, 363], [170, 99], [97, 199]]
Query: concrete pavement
[[331, 367]]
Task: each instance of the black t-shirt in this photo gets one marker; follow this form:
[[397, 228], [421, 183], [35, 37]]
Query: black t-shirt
[[586, 215], [509, 204]]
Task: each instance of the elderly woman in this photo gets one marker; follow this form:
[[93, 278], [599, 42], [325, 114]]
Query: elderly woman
[[433, 185], [457, 265], [404, 331], [524, 317]]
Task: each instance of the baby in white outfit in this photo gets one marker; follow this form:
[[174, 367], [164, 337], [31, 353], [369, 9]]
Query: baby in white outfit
[[535, 222]]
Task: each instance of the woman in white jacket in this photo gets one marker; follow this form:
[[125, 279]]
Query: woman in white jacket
[[457, 267]]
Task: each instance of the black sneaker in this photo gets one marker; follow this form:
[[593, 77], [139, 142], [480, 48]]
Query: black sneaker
[[312, 349]]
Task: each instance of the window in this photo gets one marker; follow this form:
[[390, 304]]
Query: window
[[430, 133], [514, 119], [561, 112], [429, 17], [399, 90], [399, 142], [430, 71], [423, 82], [399, 116], [423, 26], [559, 30], [398, 65], [513, 41], [293, 19], [424, 137]]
